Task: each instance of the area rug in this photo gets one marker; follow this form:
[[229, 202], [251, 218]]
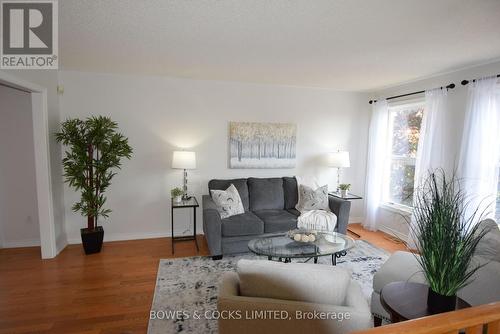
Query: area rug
[[187, 287]]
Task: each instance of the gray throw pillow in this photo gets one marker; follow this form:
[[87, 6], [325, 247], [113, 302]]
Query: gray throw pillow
[[228, 201], [310, 199]]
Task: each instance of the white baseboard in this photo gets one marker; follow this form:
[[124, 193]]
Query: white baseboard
[[355, 220], [20, 243], [125, 236], [393, 232]]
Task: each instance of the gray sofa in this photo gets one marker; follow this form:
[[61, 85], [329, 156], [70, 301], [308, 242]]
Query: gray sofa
[[269, 205]]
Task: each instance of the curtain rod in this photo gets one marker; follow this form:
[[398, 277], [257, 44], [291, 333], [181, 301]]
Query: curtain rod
[[450, 86], [465, 82]]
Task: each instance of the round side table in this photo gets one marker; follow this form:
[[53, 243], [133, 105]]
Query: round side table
[[407, 300]]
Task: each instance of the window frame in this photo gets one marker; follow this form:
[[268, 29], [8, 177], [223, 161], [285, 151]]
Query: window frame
[[390, 158]]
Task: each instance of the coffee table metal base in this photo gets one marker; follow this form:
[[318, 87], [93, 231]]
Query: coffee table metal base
[[335, 256]]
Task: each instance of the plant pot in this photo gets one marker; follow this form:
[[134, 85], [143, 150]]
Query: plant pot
[[92, 239], [437, 303], [178, 199], [343, 193]]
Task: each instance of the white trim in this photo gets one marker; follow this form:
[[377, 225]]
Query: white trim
[[21, 243], [355, 220], [125, 236], [403, 84], [393, 232], [397, 208], [42, 162]]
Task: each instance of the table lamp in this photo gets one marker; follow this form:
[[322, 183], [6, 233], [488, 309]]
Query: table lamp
[[339, 160], [184, 160]]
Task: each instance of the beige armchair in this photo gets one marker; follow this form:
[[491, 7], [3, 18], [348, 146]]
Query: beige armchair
[[272, 297]]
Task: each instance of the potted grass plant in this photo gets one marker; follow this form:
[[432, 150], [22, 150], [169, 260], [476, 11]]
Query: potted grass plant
[[176, 194], [94, 152], [446, 236], [344, 188]]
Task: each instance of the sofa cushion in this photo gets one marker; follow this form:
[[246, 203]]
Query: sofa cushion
[[228, 201], [294, 212], [266, 194], [291, 192], [244, 224], [305, 282], [240, 184], [277, 220]]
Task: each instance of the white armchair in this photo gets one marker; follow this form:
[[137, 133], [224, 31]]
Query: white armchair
[[272, 297], [483, 288]]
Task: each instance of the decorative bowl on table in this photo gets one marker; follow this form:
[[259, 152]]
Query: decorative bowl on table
[[304, 236]]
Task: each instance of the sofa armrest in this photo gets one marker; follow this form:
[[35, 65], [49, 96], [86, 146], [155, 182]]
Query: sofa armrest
[[229, 299], [341, 208], [356, 299], [244, 308], [212, 226], [401, 266]]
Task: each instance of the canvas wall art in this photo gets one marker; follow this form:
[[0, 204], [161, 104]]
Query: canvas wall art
[[262, 145]]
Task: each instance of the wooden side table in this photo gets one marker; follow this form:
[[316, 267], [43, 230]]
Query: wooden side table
[[189, 203], [349, 197], [407, 300]]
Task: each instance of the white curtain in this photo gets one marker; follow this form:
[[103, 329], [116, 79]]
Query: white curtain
[[377, 153], [480, 149], [431, 151], [431, 145]]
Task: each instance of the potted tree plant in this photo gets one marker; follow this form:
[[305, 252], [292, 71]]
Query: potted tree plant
[[446, 237], [95, 150]]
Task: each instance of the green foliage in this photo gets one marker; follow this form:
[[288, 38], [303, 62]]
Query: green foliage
[[345, 186], [94, 150], [447, 236], [176, 192]]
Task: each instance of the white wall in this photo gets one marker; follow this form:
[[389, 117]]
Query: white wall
[[160, 114], [18, 202], [49, 80], [392, 222]]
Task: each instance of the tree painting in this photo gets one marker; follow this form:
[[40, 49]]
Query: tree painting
[[262, 145]]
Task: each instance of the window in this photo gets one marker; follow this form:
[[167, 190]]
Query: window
[[404, 133]]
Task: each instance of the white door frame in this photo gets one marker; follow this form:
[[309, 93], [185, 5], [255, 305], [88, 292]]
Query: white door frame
[[42, 161]]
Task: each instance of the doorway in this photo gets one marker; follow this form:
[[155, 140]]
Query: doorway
[[42, 214], [19, 225]]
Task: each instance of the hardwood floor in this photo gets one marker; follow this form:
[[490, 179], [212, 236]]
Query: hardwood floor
[[106, 293], [378, 238]]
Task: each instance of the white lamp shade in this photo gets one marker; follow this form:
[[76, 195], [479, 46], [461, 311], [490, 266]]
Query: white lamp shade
[[339, 159], [184, 160]]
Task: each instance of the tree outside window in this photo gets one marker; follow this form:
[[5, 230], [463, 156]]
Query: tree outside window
[[404, 125]]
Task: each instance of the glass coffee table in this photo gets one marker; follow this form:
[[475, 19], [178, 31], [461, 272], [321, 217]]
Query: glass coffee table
[[282, 248]]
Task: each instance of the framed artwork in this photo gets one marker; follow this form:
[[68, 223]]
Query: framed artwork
[[262, 145]]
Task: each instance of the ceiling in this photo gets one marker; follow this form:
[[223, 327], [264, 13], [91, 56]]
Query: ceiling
[[354, 45]]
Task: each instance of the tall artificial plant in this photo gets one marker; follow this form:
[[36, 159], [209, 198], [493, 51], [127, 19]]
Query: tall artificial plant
[[447, 236], [95, 150]]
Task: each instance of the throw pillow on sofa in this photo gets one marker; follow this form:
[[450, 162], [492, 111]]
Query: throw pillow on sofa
[[310, 199], [228, 201]]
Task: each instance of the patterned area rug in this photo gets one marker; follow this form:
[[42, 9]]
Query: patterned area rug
[[187, 287]]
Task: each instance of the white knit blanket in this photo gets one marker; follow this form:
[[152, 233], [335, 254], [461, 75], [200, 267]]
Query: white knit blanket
[[318, 220]]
